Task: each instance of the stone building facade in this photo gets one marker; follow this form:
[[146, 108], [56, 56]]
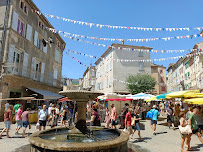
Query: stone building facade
[[110, 71], [187, 72], [159, 73], [89, 78], [30, 55]]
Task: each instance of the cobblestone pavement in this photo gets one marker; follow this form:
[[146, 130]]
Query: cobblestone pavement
[[166, 140]]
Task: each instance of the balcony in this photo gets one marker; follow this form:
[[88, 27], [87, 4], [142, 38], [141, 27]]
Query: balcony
[[18, 70]]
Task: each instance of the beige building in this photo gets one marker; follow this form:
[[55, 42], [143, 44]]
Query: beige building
[[89, 78], [111, 69], [31, 56], [187, 72], [72, 84], [159, 73]]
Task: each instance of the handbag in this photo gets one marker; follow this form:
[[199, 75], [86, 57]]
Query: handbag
[[132, 122], [185, 130]]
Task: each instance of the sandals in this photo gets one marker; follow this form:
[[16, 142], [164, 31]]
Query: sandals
[[190, 149]]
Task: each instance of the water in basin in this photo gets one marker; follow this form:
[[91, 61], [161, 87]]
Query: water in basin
[[62, 135]]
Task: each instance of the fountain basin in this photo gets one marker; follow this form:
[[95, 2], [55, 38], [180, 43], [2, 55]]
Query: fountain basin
[[59, 139]]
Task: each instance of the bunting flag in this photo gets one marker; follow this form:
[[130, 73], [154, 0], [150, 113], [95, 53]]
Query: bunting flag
[[170, 29], [76, 36], [127, 60], [76, 60]]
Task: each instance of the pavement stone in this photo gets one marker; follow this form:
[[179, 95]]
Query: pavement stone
[[166, 140]]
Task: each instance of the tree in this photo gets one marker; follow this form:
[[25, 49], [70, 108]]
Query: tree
[[140, 83]]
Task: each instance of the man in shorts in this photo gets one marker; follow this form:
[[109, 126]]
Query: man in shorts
[[25, 119], [42, 118], [113, 116], [7, 121], [154, 119]]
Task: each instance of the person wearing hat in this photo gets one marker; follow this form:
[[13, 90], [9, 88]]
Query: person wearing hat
[[154, 118]]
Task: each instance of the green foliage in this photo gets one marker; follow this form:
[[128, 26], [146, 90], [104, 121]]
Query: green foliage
[[140, 83]]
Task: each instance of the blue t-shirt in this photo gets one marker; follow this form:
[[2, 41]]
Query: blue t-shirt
[[71, 112], [155, 114]]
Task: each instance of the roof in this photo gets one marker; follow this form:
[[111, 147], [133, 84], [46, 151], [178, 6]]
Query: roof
[[32, 4], [91, 67], [152, 64], [47, 94], [124, 46]]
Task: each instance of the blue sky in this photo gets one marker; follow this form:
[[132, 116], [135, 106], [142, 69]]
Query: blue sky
[[143, 13]]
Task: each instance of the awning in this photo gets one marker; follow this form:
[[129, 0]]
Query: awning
[[119, 99], [193, 95], [47, 94], [198, 101], [180, 94], [21, 98]]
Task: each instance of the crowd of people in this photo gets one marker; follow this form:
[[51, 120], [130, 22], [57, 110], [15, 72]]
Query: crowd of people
[[47, 116], [188, 118]]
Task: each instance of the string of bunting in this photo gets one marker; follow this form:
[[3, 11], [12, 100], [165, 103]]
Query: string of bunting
[[70, 35], [120, 27], [93, 43], [127, 60], [76, 60]]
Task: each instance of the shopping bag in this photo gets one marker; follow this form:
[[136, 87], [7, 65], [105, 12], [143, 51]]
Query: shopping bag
[[37, 126]]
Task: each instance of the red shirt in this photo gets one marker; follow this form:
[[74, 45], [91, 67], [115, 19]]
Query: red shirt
[[7, 115], [128, 117]]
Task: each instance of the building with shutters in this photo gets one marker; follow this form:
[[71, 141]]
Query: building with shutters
[[159, 73], [89, 78], [31, 56], [187, 72], [112, 68]]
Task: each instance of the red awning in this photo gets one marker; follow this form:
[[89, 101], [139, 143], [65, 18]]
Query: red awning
[[119, 99], [64, 99]]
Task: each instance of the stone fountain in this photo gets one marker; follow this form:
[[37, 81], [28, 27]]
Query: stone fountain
[[78, 139]]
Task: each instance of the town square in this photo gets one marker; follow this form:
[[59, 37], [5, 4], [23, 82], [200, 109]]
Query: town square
[[101, 76]]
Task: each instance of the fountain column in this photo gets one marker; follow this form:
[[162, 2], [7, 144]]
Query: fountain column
[[81, 118], [81, 97]]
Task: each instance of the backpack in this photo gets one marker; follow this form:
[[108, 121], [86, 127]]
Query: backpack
[[150, 114]]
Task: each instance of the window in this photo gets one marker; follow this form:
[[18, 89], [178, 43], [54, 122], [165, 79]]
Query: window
[[39, 44], [92, 82], [163, 88], [21, 5], [141, 66], [24, 7], [152, 70], [187, 64], [161, 71], [110, 65], [56, 55], [41, 25], [140, 53], [21, 28], [162, 80], [107, 83], [93, 73], [107, 68]]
